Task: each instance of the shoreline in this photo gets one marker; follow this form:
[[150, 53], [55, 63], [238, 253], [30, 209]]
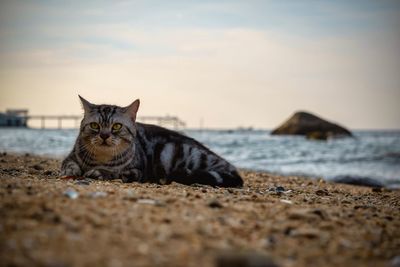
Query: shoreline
[[341, 179], [290, 221]]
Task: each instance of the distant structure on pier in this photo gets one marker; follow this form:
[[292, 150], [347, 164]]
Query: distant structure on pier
[[165, 121], [20, 118], [14, 118]]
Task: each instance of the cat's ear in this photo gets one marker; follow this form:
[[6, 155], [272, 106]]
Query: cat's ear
[[132, 109], [87, 106]]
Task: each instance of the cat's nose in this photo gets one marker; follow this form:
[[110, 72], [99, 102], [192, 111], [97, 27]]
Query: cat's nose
[[104, 136]]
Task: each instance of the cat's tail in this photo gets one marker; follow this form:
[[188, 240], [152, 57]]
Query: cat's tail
[[213, 178]]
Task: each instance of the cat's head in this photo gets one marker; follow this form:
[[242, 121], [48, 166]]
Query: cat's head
[[108, 127]]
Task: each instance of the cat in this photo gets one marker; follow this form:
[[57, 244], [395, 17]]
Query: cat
[[111, 144]]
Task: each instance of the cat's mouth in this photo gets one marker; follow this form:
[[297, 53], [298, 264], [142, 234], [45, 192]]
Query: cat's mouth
[[105, 144]]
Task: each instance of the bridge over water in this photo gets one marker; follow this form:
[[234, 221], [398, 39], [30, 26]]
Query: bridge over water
[[20, 118], [165, 121]]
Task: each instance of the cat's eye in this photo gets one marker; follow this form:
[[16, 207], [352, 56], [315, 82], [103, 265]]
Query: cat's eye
[[94, 125], [117, 126]]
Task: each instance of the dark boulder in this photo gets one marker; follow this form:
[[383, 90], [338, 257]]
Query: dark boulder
[[358, 180], [311, 126]]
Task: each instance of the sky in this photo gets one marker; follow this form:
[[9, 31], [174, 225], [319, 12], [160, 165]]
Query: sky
[[222, 64]]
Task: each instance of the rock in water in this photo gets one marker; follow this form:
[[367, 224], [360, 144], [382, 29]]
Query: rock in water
[[313, 127], [357, 180]]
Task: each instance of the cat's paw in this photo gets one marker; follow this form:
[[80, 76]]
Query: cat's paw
[[100, 174], [131, 175], [71, 169], [95, 174]]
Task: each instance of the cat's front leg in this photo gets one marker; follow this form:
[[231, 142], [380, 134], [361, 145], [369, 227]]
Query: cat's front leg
[[70, 168], [132, 175]]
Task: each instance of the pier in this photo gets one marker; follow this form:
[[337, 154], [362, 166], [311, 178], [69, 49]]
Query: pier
[[58, 118], [20, 118], [165, 121]]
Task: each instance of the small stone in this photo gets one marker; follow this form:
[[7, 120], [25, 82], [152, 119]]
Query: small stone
[[48, 172], [395, 262], [83, 182], [280, 189], [147, 201], [305, 232], [368, 206], [321, 213], [322, 192], [29, 190], [286, 201], [244, 259], [38, 167], [130, 195], [376, 189], [12, 170], [215, 204], [269, 242], [71, 193], [166, 220], [307, 214]]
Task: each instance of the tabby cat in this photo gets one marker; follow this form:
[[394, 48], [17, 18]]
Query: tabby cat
[[111, 144]]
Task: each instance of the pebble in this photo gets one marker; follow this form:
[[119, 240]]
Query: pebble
[[286, 201], [305, 232], [71, 193], [269, 242], [322, 192], [83, 182], [395, 262], [280, 189], [147, 201], [38, 167], [215, 204], [376, 190], [129, 194], [11, 170], [306, 214], [244, 259], [48, 172]]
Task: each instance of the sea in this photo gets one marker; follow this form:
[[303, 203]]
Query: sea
[[369, 154]]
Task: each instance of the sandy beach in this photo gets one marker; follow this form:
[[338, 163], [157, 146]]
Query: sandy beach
[[272, 221]]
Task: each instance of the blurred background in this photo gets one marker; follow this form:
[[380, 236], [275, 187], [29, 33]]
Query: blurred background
[[216, 64], [241, 65]]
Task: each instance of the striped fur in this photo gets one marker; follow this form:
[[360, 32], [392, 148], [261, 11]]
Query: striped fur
[[142, 152]]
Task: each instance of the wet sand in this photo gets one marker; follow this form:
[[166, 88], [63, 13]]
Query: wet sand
[[272, 221]]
